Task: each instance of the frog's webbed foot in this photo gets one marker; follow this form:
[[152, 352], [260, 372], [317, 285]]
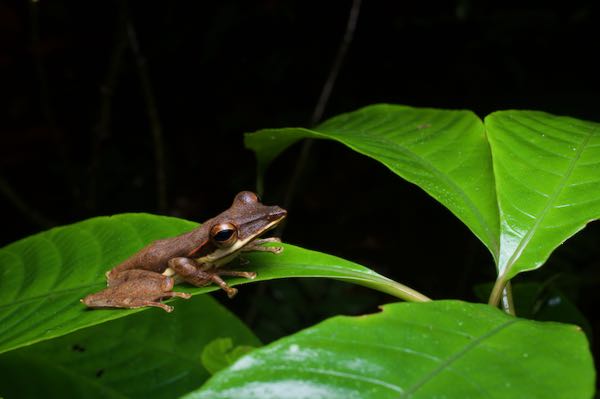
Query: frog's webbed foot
[[191, 272], [134, 289], [256, 245]]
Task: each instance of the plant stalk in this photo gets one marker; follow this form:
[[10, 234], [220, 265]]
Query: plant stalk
[[391, 287], [502, 293]]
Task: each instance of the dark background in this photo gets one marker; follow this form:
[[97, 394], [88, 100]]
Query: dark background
[[77, 129]]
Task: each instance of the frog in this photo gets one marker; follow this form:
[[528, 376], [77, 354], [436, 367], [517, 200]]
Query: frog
[[196, 257]]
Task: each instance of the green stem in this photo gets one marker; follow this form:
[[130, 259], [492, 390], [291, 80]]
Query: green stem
[[497, 292], [406, 293], [391, 287], [507, 300], [502, 292]]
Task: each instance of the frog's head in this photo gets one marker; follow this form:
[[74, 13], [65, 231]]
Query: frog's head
[[230, 231], [245, 220]]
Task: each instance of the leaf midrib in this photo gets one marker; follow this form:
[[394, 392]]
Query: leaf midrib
[[523, 243], [48, 294], [441, 175], [455, 357]]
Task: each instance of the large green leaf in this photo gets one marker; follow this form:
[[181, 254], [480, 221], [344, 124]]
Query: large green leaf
[[151, 354], [544, 187], [547, 172], [443, 152], [440, 349], [42, 277]]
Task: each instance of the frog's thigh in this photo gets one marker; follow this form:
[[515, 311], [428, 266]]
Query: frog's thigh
[[148, 276]]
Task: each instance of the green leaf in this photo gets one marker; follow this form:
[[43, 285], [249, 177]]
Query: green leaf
[[544, 187], [443, 152], [44, 276], [447, 349], [547, 171], [221, 352], [150, 354]]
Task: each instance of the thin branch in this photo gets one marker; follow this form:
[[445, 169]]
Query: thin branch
[[340, 57], [322, 102], [39, 64], [152, 110], [100, 131], [28, 212], [47, 113]]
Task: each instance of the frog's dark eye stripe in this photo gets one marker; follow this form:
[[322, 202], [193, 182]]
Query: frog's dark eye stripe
[[223, 234]]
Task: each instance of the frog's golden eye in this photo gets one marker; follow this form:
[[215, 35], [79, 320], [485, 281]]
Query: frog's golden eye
[[223, 234]]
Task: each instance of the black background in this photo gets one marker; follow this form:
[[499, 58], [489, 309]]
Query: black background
[[71, 150]]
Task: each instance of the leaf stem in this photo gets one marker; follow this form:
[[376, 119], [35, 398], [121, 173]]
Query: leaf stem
[[507, 300], [502, 291], [496, 293], [391, 287], [406, 293]]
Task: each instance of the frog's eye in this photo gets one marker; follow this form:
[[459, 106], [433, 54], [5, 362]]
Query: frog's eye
[[223, 234]]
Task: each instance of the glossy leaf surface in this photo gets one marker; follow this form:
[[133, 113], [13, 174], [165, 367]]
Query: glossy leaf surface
[[544, 186], [221, 352], [547, 172], [44, 276], [438, 150], [150, 354], [444, 349]]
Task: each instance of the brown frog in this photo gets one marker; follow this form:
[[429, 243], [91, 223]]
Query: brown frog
[[195, 257]]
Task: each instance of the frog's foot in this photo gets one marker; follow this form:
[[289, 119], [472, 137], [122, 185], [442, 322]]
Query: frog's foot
[[139, 303], [256, 245], [191, 272]]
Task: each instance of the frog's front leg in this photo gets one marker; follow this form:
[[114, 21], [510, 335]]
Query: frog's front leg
[[256, 245], [191, 271], [134, 289]]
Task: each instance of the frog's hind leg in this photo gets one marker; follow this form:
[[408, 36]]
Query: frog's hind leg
[[141, 302], [144, 303], [177, 294], [135, 274], [135, 289]]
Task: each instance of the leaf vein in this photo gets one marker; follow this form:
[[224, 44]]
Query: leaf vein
[[455, 357], [549, 205]]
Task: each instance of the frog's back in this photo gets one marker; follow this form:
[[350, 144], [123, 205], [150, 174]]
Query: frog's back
[[154, 256]]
